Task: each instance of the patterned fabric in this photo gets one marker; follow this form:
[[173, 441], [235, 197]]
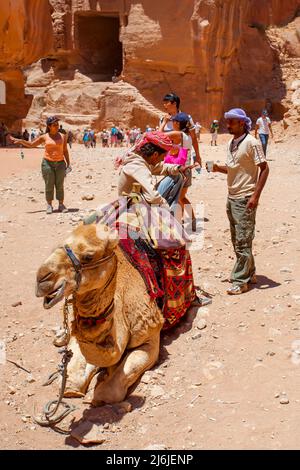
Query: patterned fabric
[[168, 276], [153, 223], [147, 264], [164, 263], [178, 285]]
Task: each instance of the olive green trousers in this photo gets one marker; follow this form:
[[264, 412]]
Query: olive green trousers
[[54, 174], [242, 228]]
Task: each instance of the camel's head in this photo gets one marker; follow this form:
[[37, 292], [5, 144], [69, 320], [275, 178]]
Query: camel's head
[[90, 244]]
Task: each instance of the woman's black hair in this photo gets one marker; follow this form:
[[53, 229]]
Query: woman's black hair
[[148, 150], [183, 126], [173, 98]]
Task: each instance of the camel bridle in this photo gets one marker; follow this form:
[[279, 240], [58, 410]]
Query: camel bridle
[[79, 268], [49, 416]]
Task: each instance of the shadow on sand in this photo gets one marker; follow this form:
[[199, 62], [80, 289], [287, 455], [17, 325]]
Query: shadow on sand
[[264, 282], [97, 417], [113, 414], [55, 211]]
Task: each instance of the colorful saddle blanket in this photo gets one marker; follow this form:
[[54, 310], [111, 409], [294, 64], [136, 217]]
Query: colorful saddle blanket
[[155, 244]]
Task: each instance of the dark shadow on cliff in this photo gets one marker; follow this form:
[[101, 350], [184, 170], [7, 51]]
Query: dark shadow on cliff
[[255, 80]]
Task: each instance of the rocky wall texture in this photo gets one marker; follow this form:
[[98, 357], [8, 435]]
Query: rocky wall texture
[[215, 54], [81, 103], [286, 41], [26, 34]]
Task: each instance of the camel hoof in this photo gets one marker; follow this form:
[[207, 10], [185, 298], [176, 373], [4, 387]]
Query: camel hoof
[[97, 403], [73, 394]]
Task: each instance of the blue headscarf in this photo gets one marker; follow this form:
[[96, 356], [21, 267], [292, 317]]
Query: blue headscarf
[[238, 113]]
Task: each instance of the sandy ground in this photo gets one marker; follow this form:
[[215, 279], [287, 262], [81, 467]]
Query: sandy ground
[[232, 385]]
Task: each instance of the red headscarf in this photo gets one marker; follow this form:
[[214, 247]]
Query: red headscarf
[[157, 138]]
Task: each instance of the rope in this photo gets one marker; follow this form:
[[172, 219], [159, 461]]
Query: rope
[[49, 418]]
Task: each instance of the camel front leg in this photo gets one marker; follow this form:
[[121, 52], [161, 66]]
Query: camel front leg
[[80, 373], [136, 362]]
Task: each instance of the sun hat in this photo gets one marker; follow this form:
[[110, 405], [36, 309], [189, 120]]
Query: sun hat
[[52, 120]]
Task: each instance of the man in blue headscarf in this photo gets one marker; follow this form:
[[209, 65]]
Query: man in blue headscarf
[[247, 172]]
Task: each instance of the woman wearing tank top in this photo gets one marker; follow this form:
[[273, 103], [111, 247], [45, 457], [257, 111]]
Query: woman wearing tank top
[[55, 162], [180, 136]]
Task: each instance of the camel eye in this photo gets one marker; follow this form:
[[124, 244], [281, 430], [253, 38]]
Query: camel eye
[[87, 258]]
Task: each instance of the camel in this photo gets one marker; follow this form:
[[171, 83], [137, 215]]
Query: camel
[[116, 325]]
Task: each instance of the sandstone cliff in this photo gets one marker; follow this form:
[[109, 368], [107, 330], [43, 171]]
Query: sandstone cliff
[[80, 102], [215, 54], [26, 34]]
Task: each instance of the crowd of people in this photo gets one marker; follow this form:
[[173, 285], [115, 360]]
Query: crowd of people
[[114, 136], [171, 150], [168, 152]]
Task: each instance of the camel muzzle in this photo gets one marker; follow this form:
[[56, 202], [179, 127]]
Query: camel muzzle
[[51, 298]]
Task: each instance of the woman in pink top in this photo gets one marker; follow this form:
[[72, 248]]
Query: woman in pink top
[[55, 162]]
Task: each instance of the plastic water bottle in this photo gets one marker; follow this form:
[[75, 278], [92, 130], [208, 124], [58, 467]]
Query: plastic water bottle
[[22, 155], [68, 170]]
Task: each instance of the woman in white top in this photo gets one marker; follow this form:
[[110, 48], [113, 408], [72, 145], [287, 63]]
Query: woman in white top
[[264, 128], [180, 136], [171, 103]]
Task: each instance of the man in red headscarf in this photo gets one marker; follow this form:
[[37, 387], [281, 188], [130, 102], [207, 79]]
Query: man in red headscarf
[[144, 160]]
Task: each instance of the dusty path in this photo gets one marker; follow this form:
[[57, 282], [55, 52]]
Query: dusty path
[[218, 390]]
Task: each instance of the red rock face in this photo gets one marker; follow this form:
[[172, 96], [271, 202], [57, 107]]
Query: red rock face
[[215, 54], [25, 32], [25, 35]]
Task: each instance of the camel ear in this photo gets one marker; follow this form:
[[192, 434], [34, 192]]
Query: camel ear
[[105, 233]]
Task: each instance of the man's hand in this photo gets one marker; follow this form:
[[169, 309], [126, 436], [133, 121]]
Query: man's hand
[[187, 167], [118, 162], [198, 163], [218, 169], [253, 202], [214, 168]]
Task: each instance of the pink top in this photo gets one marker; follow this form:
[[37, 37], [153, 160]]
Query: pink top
[[178, 157]]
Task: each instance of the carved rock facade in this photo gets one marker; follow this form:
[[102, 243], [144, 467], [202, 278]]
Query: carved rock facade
[[26, 34], [215, 54]]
